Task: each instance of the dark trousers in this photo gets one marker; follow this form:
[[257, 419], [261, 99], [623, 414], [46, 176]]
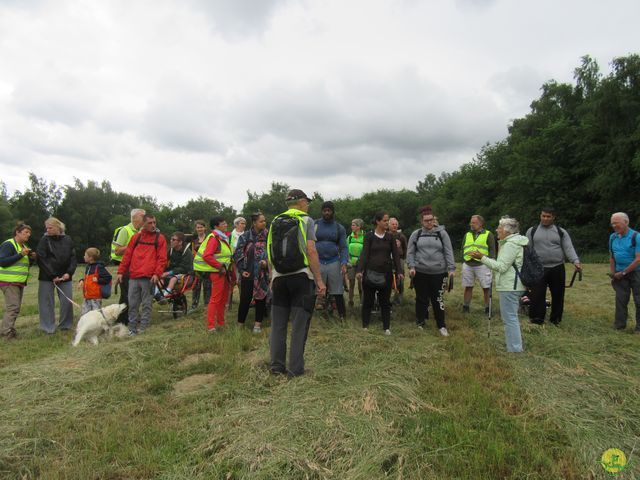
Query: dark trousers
[[554, 278], [204, 283], [246, 295], [368, 298], [624, 288], [293, 299], [430, 289], [124, 298]]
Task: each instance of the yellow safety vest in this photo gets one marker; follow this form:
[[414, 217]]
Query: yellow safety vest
[[19, 271], [223, 256], [130, 232], [480, 244]]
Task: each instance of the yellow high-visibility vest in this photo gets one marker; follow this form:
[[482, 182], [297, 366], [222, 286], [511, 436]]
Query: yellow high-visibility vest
[[19, 271], [223, 256], [480, 244]]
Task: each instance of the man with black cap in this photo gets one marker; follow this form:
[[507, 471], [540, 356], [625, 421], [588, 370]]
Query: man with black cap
[[291, 246], [333, 253]]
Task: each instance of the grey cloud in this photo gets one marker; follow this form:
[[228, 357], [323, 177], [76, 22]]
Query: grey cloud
[[406, 115], [183, 117], [57, 99], [517, 86], [236, 18]]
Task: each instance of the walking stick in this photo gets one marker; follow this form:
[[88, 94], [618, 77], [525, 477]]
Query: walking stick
[[490, 308]]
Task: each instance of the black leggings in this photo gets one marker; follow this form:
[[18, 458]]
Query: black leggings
[[430, 288], [246, 295], [368, 297]]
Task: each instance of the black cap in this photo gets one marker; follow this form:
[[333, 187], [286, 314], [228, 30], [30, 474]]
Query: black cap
[[296, 194]]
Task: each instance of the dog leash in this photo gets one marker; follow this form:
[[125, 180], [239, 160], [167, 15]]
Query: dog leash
[[63, 294]]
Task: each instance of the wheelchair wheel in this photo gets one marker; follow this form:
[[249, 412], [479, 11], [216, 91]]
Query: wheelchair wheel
[[179, 306]]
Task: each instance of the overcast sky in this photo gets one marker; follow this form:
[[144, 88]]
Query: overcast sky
[[182, 98]]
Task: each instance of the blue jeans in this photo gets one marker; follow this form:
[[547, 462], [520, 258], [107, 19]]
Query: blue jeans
[[509, 303]]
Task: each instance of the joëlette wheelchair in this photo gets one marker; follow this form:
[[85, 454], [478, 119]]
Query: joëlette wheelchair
[[177, 298]]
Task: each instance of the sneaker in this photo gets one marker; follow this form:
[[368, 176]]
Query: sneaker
[[486, 310], [387, 332], [132, 333], [158, 297], [212, 330], [420, 327], [168, 293], [366, 329], [257, 329], [443, 332], [465, 309]]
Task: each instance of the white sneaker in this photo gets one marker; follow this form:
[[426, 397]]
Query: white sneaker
[[387, 332], [366, 329], [443, 332], [420, 327], [257, 329]]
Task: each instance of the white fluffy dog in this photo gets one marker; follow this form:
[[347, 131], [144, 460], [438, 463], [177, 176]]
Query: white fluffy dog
[[96, 322]]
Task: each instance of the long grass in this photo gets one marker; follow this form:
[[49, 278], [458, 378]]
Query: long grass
[[177, 402]]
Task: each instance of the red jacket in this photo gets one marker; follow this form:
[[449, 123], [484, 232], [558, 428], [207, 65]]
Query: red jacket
[[144, 260]]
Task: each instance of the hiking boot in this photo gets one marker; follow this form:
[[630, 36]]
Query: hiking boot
[[443, 332], [387, 332], [465, 309], [11, 335]]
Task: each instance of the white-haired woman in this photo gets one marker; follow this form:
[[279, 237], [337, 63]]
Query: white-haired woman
[[239, 226], [57, 262], [508, 283]]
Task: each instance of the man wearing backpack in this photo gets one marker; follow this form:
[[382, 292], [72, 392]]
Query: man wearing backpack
[[553, 245], [121, 238], [624, 249], [144, 261], [333, 253], [294, 259]]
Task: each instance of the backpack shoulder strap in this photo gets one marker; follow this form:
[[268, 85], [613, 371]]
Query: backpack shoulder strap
[[116, 232], [533, 234]]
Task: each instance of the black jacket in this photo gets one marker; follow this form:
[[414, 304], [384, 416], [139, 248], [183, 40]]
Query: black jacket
[[56, 256]]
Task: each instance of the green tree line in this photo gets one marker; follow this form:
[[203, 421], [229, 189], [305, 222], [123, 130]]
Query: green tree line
[[576, 150]]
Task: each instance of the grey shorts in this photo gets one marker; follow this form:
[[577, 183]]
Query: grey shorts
[[332, 277], [480, 272], [351, 271]]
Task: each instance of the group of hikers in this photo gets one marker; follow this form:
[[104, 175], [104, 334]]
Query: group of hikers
[[299, 264]]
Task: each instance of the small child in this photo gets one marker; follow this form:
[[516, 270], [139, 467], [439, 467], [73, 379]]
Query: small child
[[95, 277]]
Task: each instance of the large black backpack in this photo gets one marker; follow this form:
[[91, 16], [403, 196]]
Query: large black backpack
[[284, 251], [532, 270]]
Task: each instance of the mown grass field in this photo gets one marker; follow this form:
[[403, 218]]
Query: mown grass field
[[178, 403]]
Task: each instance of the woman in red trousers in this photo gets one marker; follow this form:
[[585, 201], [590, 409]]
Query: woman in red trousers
[[214, 257]]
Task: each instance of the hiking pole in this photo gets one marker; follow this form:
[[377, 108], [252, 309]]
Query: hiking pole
[[573, 278], [490, 308]]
